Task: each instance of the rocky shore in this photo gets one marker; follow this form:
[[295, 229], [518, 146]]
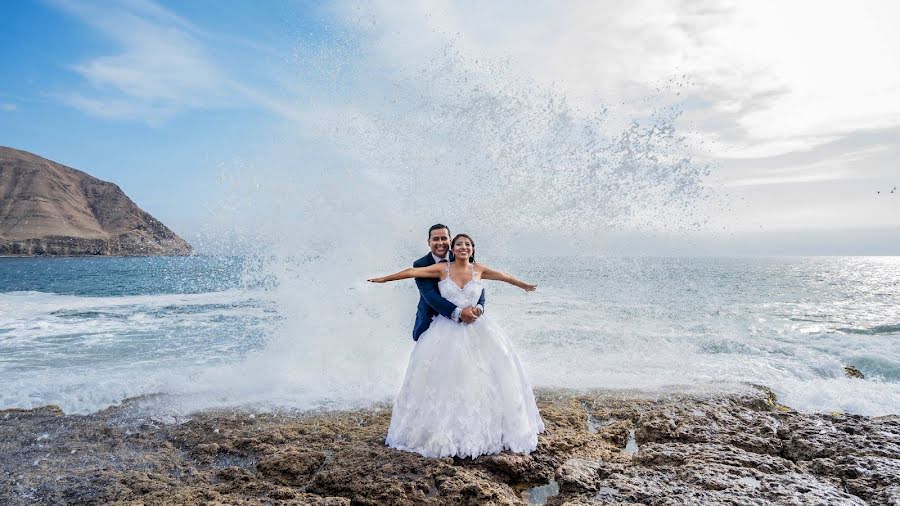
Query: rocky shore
[[603, 447]]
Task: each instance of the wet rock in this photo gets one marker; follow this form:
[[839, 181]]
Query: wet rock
[[684, 454], [515, 468], [715, 472], [853, 372], [875, 479], [41, 412], [813, 436], [738, 448], [292, 467], [579, 475], [732, 421]]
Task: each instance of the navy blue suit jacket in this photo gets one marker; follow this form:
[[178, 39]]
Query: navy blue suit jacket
[[430, 301]]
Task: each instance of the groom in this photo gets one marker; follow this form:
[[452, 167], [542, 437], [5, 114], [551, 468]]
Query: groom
[[430, 301]]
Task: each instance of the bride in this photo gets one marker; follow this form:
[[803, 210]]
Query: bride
[[465, 393]]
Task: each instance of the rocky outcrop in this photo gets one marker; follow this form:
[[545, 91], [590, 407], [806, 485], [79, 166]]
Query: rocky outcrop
[[599, 448], [853, 372], [50, 209]]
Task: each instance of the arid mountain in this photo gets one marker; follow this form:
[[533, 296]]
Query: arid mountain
[[50, 209]]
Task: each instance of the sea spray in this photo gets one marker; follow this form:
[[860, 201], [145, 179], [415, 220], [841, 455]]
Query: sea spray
[[463, 141], [373, 155]]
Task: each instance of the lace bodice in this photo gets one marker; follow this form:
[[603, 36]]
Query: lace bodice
[[466, 296]]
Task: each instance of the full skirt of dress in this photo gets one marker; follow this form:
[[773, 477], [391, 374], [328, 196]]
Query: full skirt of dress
[[465, 394]]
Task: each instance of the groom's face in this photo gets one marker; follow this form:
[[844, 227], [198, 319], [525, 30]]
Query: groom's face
[[439, 242]]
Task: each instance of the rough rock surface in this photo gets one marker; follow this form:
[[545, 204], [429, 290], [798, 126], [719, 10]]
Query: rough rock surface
[[50, 209], [599, 448], [853, 372]]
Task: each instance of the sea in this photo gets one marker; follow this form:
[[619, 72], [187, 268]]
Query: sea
[[206, 331]]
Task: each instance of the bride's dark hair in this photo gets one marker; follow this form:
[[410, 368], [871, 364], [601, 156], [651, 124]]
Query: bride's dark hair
[[453, 245]]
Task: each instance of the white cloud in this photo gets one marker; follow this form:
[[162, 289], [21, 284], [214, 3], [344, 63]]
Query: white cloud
[[771, 77], [836, 63], [851, 164], [784, 179], [161, 68], [8, 107]]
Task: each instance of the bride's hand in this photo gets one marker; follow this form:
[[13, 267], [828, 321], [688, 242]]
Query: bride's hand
[[376, 280], [529, 288]]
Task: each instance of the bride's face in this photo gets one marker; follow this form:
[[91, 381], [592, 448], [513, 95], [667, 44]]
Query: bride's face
[[463, 248]]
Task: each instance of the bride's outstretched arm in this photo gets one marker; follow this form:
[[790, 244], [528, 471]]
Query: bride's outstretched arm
[[432, 271], [488, 273]]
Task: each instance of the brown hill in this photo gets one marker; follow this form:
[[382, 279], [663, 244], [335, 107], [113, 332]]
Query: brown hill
[[50, 209]]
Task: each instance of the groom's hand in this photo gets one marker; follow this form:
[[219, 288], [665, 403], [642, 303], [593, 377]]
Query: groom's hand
[[468, 315]]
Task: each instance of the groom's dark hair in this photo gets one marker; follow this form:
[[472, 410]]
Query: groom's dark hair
[[437, 226]]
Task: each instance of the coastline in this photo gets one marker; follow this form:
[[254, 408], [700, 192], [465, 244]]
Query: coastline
[[600, 446]]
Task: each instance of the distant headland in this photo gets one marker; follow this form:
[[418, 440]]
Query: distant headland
[[49, 209]]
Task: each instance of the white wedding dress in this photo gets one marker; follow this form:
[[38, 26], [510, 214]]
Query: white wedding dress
[[465, 393]]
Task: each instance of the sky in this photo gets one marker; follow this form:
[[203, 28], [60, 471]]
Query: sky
[[793, 106]]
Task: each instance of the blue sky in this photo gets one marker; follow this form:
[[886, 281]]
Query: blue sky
[[165, 149], [799, 126]]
